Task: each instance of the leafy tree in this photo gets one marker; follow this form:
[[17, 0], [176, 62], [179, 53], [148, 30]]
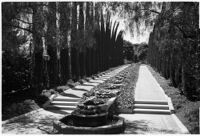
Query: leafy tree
[[173, 48]]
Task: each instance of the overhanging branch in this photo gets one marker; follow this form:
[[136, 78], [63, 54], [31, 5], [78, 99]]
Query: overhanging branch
[[151, 10], [23, 21], [25, 29], [182, 31]]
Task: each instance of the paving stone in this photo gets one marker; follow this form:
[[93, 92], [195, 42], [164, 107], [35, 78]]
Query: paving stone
[[147, 87], [151, 108], [150, 124]]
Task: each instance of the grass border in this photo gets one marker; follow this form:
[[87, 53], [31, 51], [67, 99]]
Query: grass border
[[186, 110]]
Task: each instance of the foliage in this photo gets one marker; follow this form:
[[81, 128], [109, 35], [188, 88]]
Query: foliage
[[47, 44], [135, 52], [125, 100], [16, 109], [136, 14], [15, 72], [173, 46], [187, 111]]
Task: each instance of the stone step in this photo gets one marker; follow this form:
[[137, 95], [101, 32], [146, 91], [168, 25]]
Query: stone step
[[151, 106], [64, 112], [67, 103], [159, 102], [151, 111], [60, 107], [70, 99]]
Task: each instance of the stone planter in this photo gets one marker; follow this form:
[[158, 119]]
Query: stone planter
[[92, 120], [114, 125], [101, 123], [51, 98], [87, 120], [102, 107]]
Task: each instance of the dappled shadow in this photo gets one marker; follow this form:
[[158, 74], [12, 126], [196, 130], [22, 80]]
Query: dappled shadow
[[69, 95], [144, 127], [164, 131], [79, 89], [135, 126], [55, 107], [94, 82], [87, 85], [43, 124], [104, 77], [31, 124], [59, 112]]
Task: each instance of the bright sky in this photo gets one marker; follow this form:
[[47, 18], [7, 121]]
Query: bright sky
[[138, 38], [144, 32], [144, 37]]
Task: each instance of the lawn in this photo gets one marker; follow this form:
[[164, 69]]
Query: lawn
[[187, 111]]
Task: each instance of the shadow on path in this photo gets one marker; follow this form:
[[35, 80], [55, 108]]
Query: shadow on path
[[32, 124], [143, 127], [87, 85], [135, 126], [69, 95], [79, 89], [94, 82], [59, 112]]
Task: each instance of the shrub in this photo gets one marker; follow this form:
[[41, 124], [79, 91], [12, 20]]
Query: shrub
[[17, 109]]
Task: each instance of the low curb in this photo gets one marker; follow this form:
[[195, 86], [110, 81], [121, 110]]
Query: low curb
[[47, 103], [176, 119], [171, 107], [180, 124]]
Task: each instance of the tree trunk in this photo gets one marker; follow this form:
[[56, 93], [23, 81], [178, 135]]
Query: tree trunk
[[58, 43], [69, 42], [77, 50], [34, 78], [84, 34], [183, 79], [33, 49]]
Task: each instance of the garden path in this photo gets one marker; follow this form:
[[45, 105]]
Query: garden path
[[153, 110]]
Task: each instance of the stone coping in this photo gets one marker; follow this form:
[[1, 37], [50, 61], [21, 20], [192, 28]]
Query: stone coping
[[50, 100], [118, 127], [180, 124]]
